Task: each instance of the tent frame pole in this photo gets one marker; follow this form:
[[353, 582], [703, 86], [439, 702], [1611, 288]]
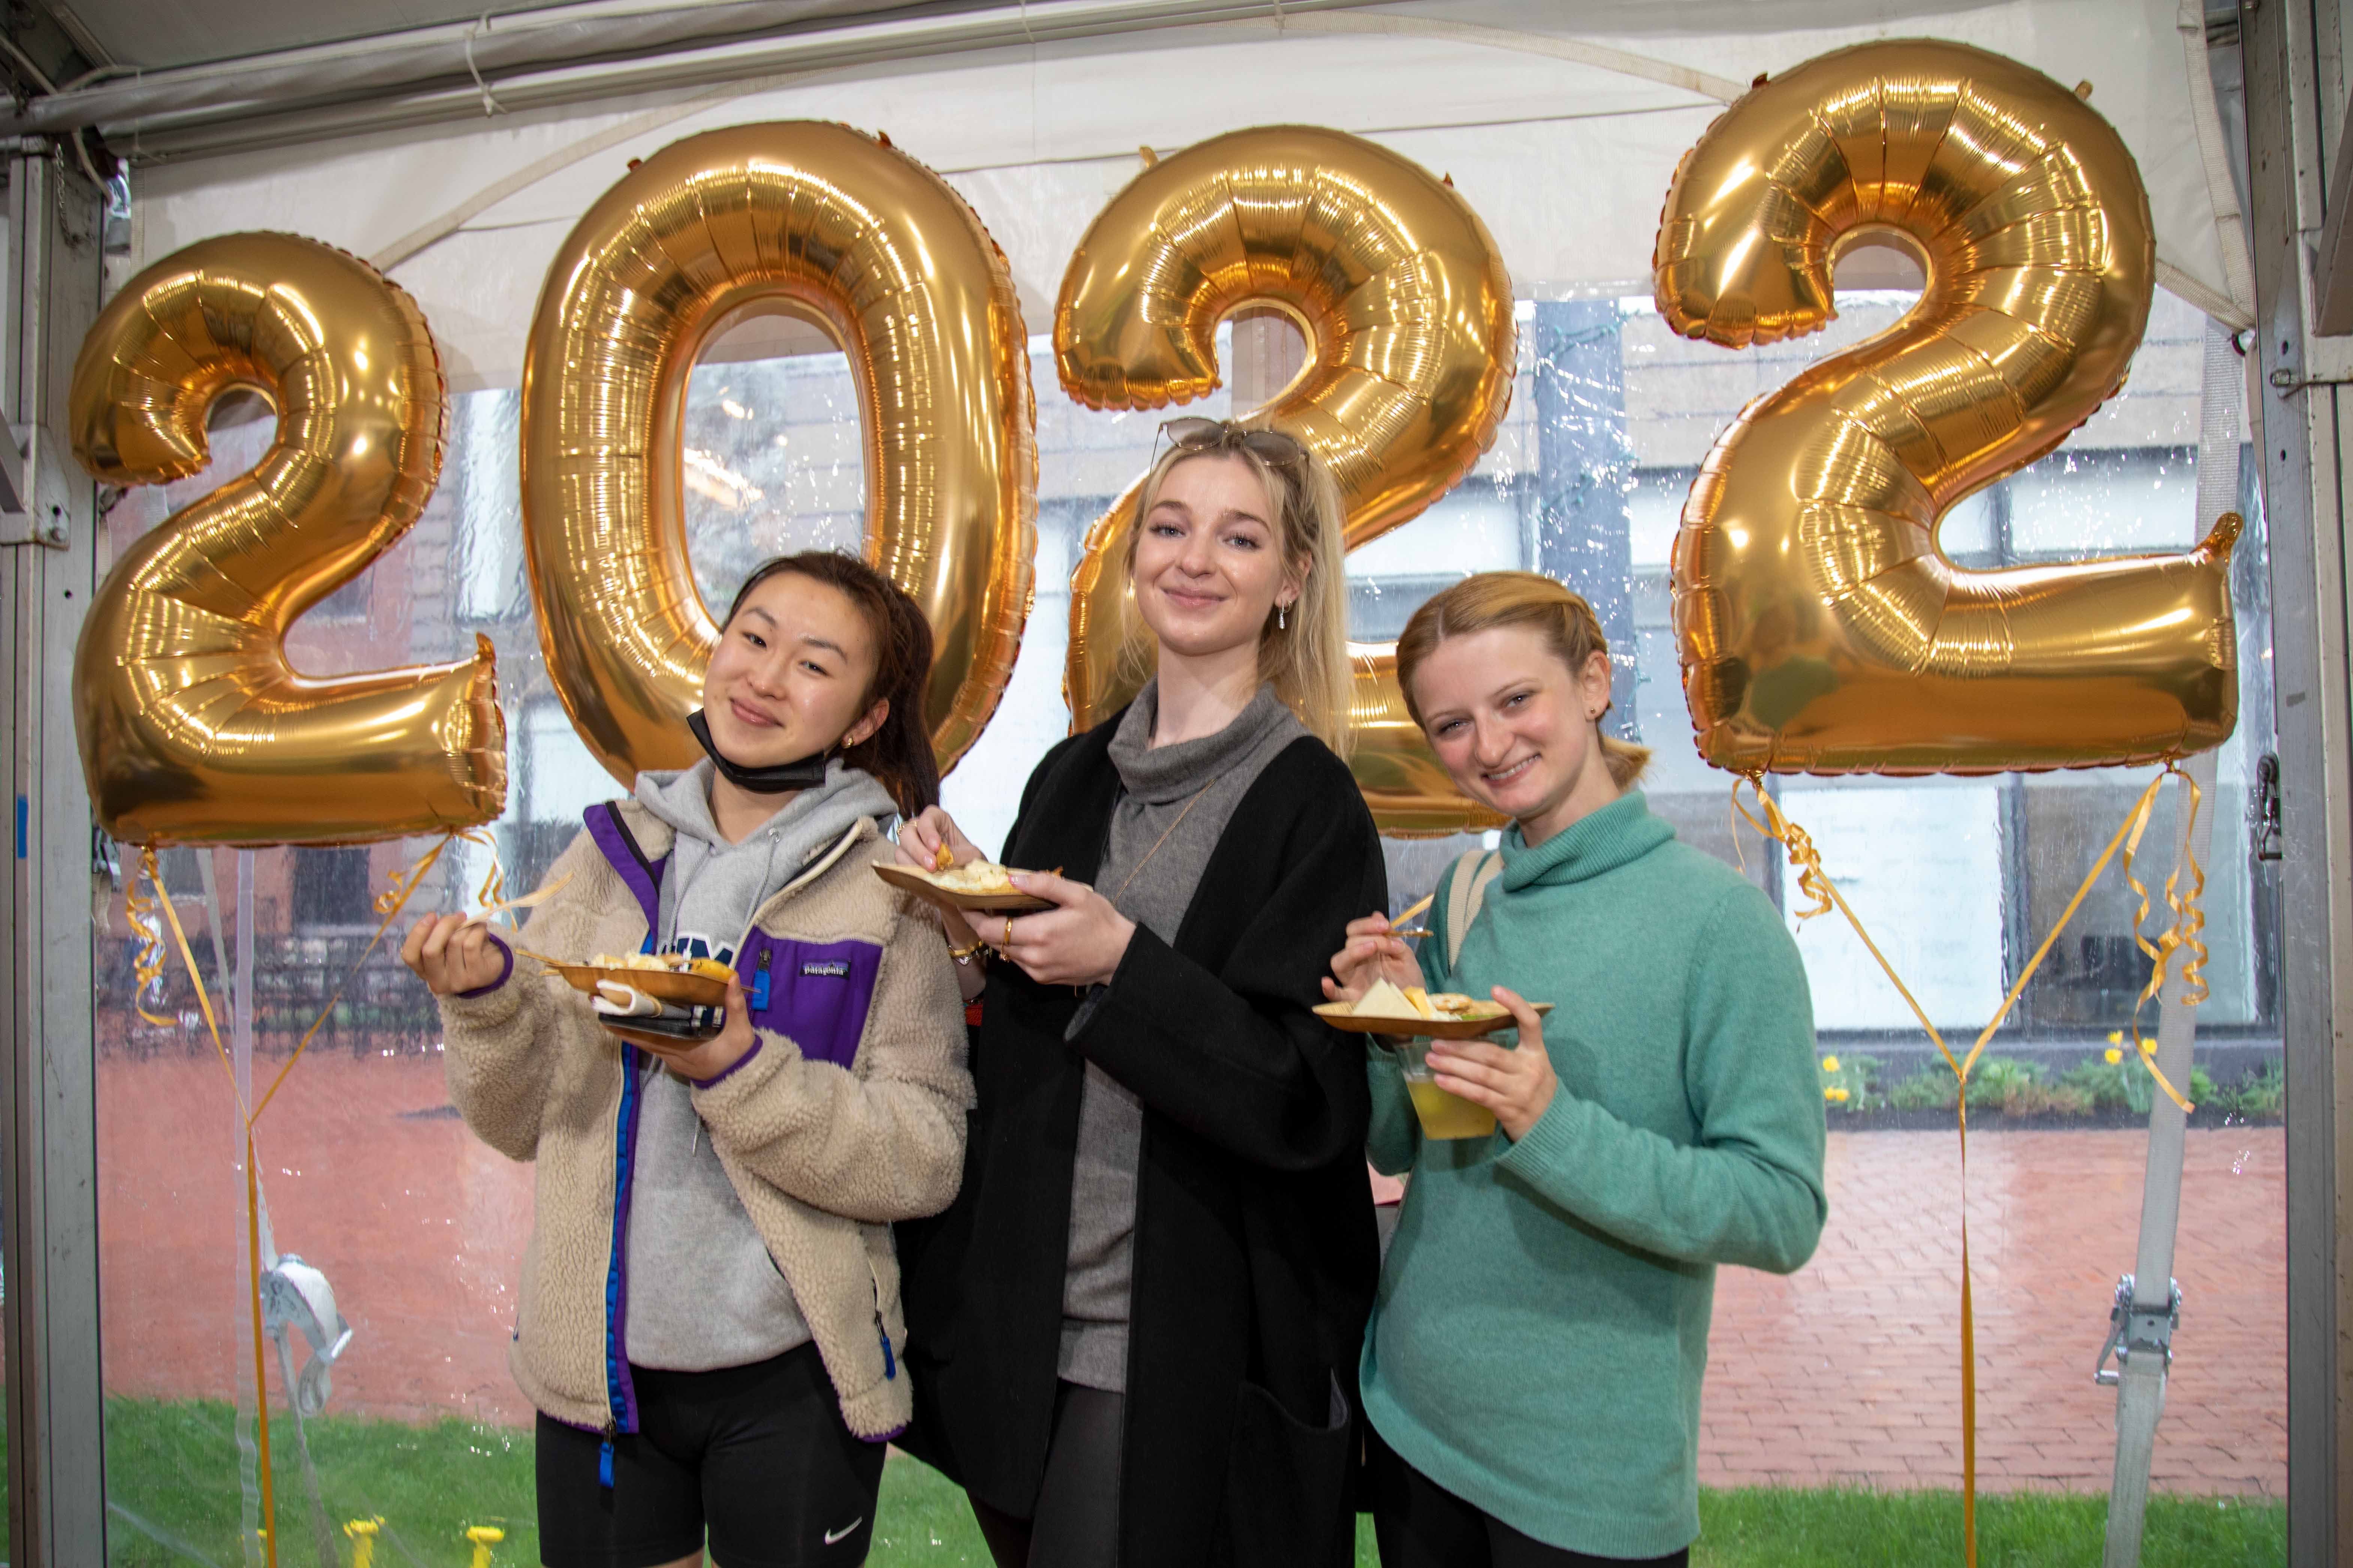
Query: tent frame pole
[[2302, 414], [49, 1178]]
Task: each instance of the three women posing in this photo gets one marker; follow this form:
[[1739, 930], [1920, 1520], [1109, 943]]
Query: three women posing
[[1139, 1333], [1136, 1331]]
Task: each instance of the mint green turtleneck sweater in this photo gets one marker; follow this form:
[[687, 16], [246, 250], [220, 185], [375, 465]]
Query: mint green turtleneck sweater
[[1537, 1341]]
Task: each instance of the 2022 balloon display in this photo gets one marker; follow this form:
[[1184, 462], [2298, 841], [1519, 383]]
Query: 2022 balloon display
[[1819, 627]]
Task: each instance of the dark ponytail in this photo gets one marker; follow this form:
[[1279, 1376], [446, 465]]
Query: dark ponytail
[[900, 752]]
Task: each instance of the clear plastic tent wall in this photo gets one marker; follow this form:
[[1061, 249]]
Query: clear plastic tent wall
[[1564, 141]]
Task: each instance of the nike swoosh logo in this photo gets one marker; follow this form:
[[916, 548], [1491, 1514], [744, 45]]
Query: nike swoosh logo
[[831, 1536]]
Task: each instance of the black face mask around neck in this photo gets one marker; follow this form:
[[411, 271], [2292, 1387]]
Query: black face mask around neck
[[807, 773]]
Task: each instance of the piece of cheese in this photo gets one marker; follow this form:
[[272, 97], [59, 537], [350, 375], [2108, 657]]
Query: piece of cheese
[[1383, 1000], [1421, 1000]]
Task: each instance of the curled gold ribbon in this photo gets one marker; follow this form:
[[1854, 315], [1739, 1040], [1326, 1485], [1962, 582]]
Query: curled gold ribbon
[[147, 963], [2180, 935], [1811, 880]]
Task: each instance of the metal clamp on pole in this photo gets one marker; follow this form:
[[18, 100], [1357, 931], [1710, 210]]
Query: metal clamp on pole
[[2133, 1327], [31, 492]]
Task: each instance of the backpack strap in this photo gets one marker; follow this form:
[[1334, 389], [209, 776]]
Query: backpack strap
[[1465, 889]]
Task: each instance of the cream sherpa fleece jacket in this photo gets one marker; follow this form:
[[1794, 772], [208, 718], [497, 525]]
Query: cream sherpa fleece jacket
[[849, 1113]]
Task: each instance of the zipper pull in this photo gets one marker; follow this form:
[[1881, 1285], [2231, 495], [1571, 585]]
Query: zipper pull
[[889, 1362]]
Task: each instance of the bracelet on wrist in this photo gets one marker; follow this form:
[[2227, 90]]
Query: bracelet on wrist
[[966, 954]]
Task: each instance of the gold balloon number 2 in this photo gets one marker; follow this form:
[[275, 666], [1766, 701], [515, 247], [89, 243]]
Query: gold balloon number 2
[[1820, 628], [194, 728], [1408, 313]]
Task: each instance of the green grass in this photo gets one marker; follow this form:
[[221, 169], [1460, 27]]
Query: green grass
[[173, 1495], [172, 1486], [1774, 1528]]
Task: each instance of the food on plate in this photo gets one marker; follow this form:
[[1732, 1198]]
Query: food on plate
[[631, 961], [976, 877], [1385, 1000], [943, 857], [666, 963], [1455, 1004]]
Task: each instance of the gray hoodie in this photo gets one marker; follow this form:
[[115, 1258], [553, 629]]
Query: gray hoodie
[[703, 1292]]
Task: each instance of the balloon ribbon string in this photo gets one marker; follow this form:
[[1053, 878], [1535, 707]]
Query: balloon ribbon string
[[388, 904], [149, 964], [2180, 935], [252, 1205], [1815, 885]]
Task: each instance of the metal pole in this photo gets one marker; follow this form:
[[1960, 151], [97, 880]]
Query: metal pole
[[49, 1182], [2148, 1307], [2300, 430]]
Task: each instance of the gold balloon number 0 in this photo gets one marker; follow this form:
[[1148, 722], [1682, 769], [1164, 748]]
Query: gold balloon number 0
[[194, 728], [1408, 312], [887, 258], [1819, 627]]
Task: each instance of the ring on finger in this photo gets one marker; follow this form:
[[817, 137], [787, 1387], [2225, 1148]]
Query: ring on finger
[[1008, 932]]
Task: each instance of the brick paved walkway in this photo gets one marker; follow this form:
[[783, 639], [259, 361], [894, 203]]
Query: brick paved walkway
[[1849, 1370], [1845, 1372]]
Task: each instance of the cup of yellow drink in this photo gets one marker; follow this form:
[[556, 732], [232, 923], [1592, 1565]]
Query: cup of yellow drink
[[1442, 1115]]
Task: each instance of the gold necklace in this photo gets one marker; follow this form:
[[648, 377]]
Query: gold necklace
[[1156, 843]]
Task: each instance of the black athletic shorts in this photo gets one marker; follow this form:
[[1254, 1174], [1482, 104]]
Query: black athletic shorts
[[757, 1456]]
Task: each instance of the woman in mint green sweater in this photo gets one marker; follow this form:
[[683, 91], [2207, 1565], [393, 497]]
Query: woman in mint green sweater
[[1531, 1372]]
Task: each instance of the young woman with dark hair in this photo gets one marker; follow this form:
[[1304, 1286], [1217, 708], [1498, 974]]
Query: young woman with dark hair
[[709, 1321], [1135, 1333]]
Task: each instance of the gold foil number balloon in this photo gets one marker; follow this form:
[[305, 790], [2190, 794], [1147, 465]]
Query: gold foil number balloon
[[1819, 627], [1407, 314], [884, 255], [194, 728]]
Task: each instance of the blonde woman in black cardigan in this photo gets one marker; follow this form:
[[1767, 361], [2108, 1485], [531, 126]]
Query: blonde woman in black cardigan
[[1136, 1333]]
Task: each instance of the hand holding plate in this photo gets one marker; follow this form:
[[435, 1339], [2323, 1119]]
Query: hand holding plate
[[1517, 1085], [1080, 941], [706, 1059]]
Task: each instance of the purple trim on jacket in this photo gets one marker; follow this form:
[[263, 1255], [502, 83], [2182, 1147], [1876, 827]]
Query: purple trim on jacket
[[723, 1073], [506, 969], [817, 994], [642, 877]]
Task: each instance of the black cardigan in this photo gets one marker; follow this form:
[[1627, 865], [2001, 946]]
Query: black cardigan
[[1255, 1256]]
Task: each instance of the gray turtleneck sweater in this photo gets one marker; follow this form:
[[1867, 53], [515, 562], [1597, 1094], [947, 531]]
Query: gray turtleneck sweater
[[1173, 809], [703, 1292]]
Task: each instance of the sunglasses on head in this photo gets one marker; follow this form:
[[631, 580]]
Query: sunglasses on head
[[1199, 435]]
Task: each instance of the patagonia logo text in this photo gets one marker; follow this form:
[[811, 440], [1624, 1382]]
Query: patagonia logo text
[[832, 968]]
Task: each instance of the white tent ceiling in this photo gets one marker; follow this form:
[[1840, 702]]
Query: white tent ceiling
[[1566, 159], [159, 34]]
